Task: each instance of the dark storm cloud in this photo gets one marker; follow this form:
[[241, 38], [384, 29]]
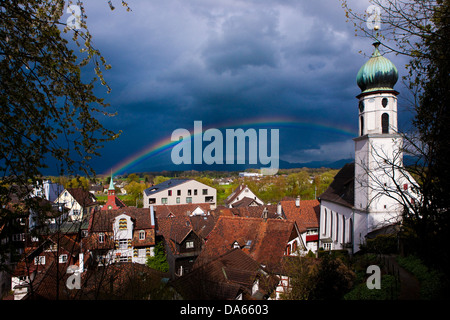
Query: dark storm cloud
[[178, 61]]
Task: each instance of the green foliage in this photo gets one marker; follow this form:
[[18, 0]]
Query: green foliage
[[381, 244], [419, 29], [335, 278], [134, 189], [133, 177], [327, 278], [159, 179], [306, 183], [389, 287], [78, 182], [43, 97], [48, 108], [159, 260], [433, 284], [389, 290]]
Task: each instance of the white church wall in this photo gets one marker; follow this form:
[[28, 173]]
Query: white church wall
[[336, 223]]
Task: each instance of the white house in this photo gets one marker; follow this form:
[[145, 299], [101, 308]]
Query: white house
[[239, 194], [364, 196], [77, 201], [122, 235], [47, 189], [180, 191]]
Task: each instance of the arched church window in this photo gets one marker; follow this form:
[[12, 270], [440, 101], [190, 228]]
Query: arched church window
[[384, 123], [384, 102], [361, 106], [343, 229], [350, 230], [362, 125]]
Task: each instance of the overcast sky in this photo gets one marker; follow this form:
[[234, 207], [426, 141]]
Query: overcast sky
[[177, 61]]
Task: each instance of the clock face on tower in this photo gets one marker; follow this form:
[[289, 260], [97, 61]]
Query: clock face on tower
[[361, 106]]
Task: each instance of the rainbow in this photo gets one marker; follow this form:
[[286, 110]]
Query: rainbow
[[166, 143]]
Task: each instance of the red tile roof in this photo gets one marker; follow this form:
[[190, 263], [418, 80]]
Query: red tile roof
[[306, 216], [222, 278], [102, 222], [264, 240], [234, 194], [162, 211], [176, 229], [84, 198]]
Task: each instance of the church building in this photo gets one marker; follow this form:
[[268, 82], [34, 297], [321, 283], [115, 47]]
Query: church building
[[364, 197], [113, 202]]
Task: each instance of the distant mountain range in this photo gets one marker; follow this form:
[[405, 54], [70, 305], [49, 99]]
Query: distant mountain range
[[236, 167], [408, 160]]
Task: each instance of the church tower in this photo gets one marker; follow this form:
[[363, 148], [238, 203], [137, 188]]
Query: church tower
[[364, 199], [378, 148], [113, 202]]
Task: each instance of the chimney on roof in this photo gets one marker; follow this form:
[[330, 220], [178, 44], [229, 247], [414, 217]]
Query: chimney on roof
[[264, 214], [81, 262], [297, 202], [152, 215], [279, 209]]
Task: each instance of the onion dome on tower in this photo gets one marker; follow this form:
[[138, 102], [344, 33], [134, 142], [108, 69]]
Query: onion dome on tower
[[378, 73]]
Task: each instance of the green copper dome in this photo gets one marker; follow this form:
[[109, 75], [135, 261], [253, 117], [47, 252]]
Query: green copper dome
[[378, 73]]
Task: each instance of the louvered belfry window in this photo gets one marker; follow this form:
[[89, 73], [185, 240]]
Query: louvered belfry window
[[122, 224]]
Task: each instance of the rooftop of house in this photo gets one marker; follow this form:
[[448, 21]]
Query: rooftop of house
[[175, 229], [102, 221], [164, 186], [306, 215], [162, 211], [224, 277], [264, 240], [250, 211], [236, 192], [341, 190], [245, 202], [83, 197]]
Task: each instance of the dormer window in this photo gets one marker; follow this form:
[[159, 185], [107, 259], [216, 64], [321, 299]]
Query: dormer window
[[189, 244], [236, 245], [62, 258]]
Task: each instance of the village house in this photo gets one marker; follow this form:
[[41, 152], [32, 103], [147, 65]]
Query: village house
[[121, 235], [39, 264], [188, 209], [234, 275], [27, 214], [47, 189], [77, 201], [271, 211], [242, 196], [180, 191], [306, 214], [266, 240], [184, 237]]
